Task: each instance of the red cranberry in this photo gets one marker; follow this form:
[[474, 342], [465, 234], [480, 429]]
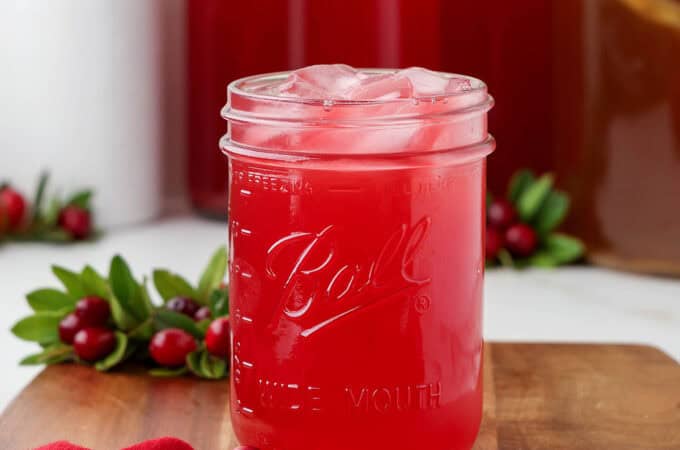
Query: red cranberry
[[493, 244], [69, 326], [217, 337], [76, 221], [501, 214], [202, 314], [521, 239], [93, 311], [12, 208], [92, 344], [183, 305], [171, 346]]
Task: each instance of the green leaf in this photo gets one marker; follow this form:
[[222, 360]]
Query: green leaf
[[39, 195], [532, 198], [94, 283], [52, 213], [519, 182], [167, 372], [53, 354], [213, 275], [171, 285], [42, 327], [81, 199], [203, 325], [563, 248], [505, 258], [56, 236], [71, 281], [489, 198], [122, 289], [552, 213], [164, 318], [126, 290], [142, 332], [50, 300], [194, 362], [219, 303], [146, 299], [542, 259], [203, 365], [122, 318], [212, 367], [116, 356]]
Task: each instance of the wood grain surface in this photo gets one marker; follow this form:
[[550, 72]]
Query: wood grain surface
[[537, 396]]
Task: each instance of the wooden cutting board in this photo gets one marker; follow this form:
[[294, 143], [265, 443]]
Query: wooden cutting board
[[537, 396]]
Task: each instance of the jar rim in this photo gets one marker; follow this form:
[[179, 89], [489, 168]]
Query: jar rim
[[238, 87], [266, 122]]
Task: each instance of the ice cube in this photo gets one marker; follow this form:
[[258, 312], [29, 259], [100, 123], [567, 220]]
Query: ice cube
[[382, 87], [342, 82], [320, 82], [428, 83], [458, 84], [340, 140]]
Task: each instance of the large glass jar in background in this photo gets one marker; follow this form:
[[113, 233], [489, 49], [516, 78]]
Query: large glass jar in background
[[617, 128], [226, 40], [494, 40], [229, 40], [356, 268], [508, 44]]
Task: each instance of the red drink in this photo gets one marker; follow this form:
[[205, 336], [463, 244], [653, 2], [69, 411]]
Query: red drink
[[356, 224]]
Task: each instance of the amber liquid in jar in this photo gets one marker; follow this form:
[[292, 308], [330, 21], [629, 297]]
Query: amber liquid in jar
[[617, 128]]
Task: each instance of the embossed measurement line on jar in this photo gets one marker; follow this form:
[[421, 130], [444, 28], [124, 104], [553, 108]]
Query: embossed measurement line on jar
[[244, 366], [244, 369], [344, 189]]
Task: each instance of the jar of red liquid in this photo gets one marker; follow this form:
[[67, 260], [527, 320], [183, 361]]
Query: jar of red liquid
[[356, 267]]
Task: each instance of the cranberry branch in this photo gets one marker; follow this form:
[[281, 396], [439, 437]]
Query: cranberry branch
[[521, 229], [106, 320], [58, 220]]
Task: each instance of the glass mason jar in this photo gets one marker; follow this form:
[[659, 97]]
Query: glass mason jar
[[356, 267]]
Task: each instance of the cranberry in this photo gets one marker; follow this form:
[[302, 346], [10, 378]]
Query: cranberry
[[521, 239], [171, 346], [92, 344], [183, 305], [93, 311], [202, 314], [217, 337], [493, 244], [76, 221], [501, 214], [69, 326], [12, 208]]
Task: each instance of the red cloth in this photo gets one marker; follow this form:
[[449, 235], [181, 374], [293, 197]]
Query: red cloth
[[61, 445], [166, 443]]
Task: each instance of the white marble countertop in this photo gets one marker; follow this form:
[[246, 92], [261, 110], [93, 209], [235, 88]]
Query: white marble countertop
[[570, 304]]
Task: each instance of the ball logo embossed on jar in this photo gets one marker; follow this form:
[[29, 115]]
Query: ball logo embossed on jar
[[318, 276]]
